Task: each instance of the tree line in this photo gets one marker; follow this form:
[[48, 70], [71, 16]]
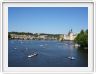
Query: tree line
[[33, 34]]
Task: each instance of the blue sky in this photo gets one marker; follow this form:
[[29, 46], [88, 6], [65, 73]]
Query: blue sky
[[57, 20]]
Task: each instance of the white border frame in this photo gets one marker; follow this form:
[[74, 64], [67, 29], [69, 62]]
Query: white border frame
[[5, 6], [94, 36], [0, 37]]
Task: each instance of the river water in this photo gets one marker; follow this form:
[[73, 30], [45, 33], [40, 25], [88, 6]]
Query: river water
[[51, 53]]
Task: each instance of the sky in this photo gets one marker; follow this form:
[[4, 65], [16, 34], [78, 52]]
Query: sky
[[53, 20]]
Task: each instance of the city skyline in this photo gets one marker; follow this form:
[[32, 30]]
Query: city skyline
[[53, 20]]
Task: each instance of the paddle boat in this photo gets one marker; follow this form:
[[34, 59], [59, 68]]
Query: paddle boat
[[32, 55], [71, 58]]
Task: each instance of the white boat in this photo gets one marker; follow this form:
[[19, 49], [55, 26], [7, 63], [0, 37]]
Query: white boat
[[77, 45], [41, 45], [15, 48], [66, 44], [71, 58], [32, 55]]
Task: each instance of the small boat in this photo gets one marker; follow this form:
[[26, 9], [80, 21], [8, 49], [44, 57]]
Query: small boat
[[66, 44], [15, 48], [71, 58], [41, 45], [32, 55], [77, 45]]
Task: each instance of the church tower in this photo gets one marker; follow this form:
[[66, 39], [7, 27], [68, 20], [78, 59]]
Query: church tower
[[71, 35]]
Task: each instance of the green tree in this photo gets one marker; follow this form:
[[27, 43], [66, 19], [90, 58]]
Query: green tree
[[82, 38], [9, 36]]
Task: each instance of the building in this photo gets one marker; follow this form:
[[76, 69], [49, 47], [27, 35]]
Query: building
[[42, 37], [70, 36], [24, 37], [61, 37]]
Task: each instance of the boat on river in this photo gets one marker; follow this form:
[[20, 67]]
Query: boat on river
[[41, 45], [71, 58], [32, 55], [77, 45]]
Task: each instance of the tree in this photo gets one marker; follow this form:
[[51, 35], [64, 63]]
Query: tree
[[82, 38], [9, 36]]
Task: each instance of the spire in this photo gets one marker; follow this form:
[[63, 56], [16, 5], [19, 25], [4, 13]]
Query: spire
[[71, 30]]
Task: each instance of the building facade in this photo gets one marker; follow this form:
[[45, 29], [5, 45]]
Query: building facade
[[70, 36]]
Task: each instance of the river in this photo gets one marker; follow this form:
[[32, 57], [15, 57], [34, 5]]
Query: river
[[51, 53]]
